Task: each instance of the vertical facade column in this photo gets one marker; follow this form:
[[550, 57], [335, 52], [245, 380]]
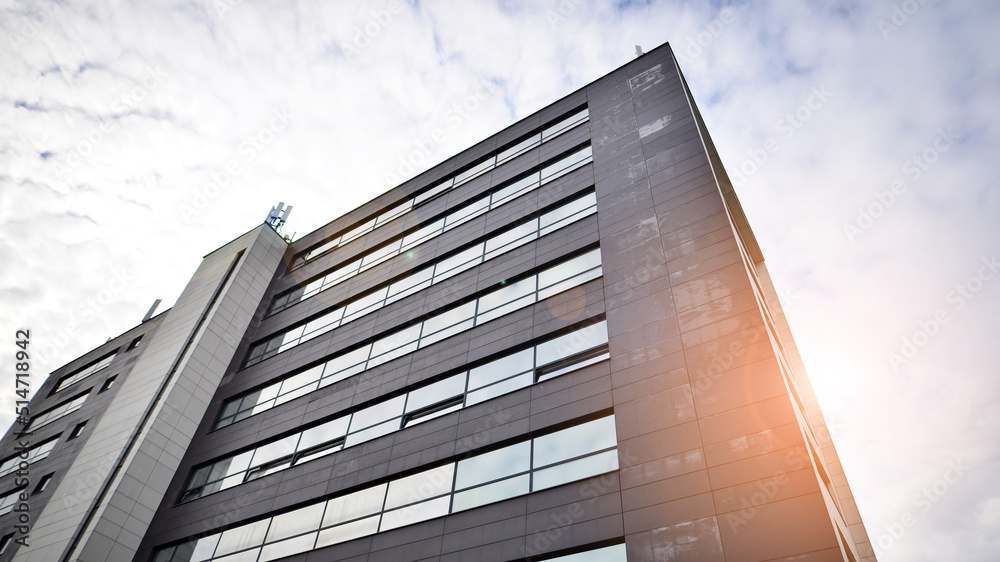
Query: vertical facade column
[[107, 499], [715, 463]]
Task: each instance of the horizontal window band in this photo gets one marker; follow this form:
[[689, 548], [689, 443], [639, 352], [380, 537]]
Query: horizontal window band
[[585, 448], [433, 227], [274, 345], [417, 404], [557, 126], [548, 219]]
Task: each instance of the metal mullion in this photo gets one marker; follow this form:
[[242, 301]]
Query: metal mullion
[[531, 467]]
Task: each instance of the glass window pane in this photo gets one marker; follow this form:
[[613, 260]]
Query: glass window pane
[[380, 254], [322, 433], [432, 192], [372, 432], [501, 368], [275, 450], [352, 506], [311, 287], [521, 234], [470, 255], [498, 389], [493, 465], [302, 379], [575, 441], [292, 336], [490, 493], [327, 319], [575, 470], [466, 213], [522, 185], [614, 553], [392, 354], [475, 170], [575, 281], [424, 233], [396, 340], [337, 366], [520, 147], [360, 305], [569, 268], [434, 393], [565, 124], [237, 464], [394, 212], [566, 165], [245, 556], [567, 210], [578, 362], [341, 273], [348, 531], [446, 333], [410, 283], [420, 486], [507, 308], [242, 537], [204, 548], [378, 413], [510, 293], [572, 343], [444, 408], [449, 318], [415, 513], [357, 231], [295, 522], [289, 547]]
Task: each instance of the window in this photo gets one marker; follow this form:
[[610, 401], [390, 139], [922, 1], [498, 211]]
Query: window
[[134, 344], [77, 430], [560, 167], [546, 134], [108, 383], [84, 372], [425, 277], [5, 542], [58, 412], [420, 404], [556, 357], [561, 457], [35, 454], [558, 278], [615, 553], [9, 500], [42, 483]]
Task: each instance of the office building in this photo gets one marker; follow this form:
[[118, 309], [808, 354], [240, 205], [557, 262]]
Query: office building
[[561, 344]]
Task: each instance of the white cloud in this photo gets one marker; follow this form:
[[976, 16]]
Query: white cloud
[[78, 87]]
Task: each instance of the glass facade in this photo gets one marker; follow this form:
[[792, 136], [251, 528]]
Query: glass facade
[[34, 454], [549, 132], [424, 402], [458, 262], [84, 372], [60, 411], [522, 293], [572, 454], [9, 500], [401, 245]]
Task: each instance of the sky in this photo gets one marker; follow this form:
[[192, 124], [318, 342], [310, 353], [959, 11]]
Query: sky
[[861, 136]]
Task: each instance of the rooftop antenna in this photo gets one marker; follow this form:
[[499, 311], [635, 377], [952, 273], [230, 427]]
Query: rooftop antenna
[[638, 51], [277, 216]]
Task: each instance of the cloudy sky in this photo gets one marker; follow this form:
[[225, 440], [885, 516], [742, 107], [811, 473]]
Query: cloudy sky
[[862, 137]]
